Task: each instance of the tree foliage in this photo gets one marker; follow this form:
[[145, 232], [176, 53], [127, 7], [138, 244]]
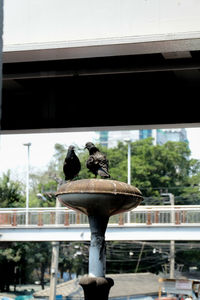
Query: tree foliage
[[11, 192], [154, 169]]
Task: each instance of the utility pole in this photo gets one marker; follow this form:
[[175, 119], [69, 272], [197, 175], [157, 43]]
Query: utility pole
[[54, 270], [54, 260], [139, 258], [172, 260]]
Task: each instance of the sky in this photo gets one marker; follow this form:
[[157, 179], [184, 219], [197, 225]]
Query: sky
[[13, 154]]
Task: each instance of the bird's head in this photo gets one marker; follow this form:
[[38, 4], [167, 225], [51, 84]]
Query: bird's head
[[89, 145], [70, 151], [91, 148], [71, 148]]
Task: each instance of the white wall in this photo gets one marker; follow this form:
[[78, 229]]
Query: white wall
[[62, 29], [41, 21]]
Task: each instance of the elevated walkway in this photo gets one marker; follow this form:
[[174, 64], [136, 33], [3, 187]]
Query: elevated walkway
[[61, 224]]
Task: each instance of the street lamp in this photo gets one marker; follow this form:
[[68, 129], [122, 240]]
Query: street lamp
[[128, 141], [41, 196], [27, 179]]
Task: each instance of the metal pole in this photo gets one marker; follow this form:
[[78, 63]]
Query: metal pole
[[172, 243], [129, 176], [171, 198], [172, 259], [54, 260], [129, 162], [139, 258], [129, 173], [27, 180], [54, 270]]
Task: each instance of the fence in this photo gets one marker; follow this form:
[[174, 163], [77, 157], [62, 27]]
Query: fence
[[142, 215]]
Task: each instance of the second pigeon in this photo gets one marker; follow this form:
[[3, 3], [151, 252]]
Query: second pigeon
[[97, 162]]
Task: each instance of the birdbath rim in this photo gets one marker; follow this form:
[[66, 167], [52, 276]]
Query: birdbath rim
[[99, 196]]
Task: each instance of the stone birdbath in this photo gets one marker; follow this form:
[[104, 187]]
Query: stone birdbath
[[98, 199]]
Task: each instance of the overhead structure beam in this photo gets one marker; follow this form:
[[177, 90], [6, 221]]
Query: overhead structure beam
[[105, 71]]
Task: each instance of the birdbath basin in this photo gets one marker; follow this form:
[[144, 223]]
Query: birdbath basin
[[98, 199], [99, 196]]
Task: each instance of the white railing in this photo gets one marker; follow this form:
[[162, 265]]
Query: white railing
[[142, 215]]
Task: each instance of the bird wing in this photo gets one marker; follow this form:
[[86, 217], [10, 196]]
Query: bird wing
[[103, 161], [90, 161]]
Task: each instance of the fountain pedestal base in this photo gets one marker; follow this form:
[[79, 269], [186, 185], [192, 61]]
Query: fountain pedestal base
[[96, 287]]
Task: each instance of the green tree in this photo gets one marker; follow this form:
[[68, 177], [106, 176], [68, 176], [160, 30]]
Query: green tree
[[43, 183], [11, 192], [154, 168], [39, 258], [73, 258], [9, 257], [14, 263]]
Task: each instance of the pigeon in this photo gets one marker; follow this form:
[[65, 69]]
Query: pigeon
[[97, 162], [71, 165]]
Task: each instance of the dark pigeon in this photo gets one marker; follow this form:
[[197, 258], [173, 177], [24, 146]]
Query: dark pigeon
[[71, 165], [97, 162]]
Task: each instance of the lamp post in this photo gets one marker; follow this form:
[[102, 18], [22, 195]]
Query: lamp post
[[27, 179], [128, 141]]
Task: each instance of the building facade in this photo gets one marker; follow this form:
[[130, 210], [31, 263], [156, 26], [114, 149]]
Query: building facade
[[110, 139], [163, 136]]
